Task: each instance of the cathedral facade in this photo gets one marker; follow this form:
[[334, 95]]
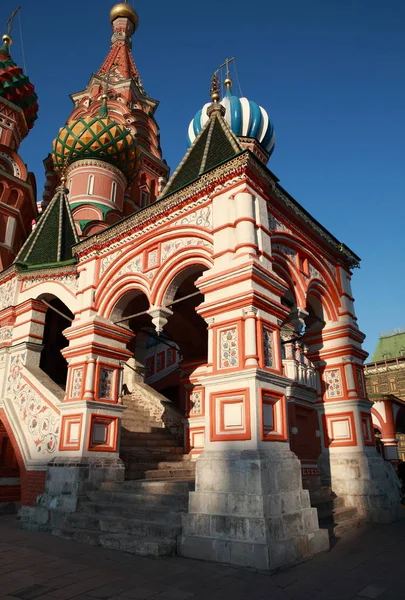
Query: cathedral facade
[[181, 368]]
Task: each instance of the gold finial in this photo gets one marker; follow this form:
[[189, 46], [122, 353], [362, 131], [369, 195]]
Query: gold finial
[[7, 41], [215, 88], [228, 80], [123, 9]]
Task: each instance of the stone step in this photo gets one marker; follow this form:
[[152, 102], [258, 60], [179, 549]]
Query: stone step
[[155, 515], [159, 441], [171, 501], [156, 548], [165, 452], [147, 457], [170, 474], [150, 487], [337, 530], [163, 465], [118, 524], [134, 419], [336, 516], [318, 493], [328, 503]]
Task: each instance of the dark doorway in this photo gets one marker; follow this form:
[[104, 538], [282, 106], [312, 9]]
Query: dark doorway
[[52, 362]]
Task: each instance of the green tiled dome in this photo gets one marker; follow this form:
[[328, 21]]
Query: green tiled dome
[[97, 137]]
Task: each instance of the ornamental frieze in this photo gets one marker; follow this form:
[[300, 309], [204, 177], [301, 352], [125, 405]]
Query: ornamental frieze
[[7, 291], [70, 281], [40, 422]]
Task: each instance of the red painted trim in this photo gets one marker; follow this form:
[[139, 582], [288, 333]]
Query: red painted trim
[[344, 416], [273, 398], [67, 422], [221, 435], [112, 424]]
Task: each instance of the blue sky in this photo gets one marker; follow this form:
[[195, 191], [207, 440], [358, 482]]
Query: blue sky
[[331, 75]]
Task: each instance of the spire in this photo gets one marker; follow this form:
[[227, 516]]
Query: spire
[[124, 22], [51, 242]]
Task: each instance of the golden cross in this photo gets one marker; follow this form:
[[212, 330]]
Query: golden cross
[[11, 19], [226, 64]]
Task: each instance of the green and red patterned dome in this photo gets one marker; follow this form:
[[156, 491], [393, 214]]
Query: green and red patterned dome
[[15, 85], [97, 137]]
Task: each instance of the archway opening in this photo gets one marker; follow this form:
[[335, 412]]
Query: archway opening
[[58, 318], [10, 488]]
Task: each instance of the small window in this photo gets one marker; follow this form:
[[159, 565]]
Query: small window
[[113, 191], [90, 185], [144, 198]]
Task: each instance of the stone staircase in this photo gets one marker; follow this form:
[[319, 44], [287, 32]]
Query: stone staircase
[[148, 449], [333, 515], [141, 515]]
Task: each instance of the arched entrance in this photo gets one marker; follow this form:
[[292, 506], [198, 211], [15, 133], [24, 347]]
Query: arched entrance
[[10, 488], [58, 318], [168, 337]]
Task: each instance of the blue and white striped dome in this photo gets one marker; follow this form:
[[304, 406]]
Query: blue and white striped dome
[[245, 118]]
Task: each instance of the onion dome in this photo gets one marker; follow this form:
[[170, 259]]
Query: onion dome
[[97, 137], [15, 85], [124, 10], [245, 118]]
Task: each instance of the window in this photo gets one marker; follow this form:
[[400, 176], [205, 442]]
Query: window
[[144, 198], [90, 185], [113, 191]]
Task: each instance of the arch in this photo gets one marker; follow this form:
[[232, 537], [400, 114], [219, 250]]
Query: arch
[[87, 213], [32, 482], [380, 423], [13, 197], [51, 289], [293, 280], [323, 270], [130, 283], [317, 289], [52, 361], [174, 268]]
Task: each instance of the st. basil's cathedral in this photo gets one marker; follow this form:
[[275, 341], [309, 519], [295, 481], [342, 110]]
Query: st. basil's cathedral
[[181, 368]]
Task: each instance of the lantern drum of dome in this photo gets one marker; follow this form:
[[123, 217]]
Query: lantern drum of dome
[[99, 158]]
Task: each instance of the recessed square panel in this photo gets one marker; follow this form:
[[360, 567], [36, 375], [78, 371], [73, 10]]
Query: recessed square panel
[[230, 415], [71, 432], [103, 433], [233, 415]]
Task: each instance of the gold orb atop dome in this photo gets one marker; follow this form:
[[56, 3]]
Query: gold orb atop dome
[[123, 9]]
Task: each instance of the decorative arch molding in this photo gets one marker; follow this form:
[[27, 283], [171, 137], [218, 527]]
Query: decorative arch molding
[[296, 245], [377, 420], [290, 273], [318, 289], [161, 293], [106, 304], [114, 262], [64, 290], [15, 164]]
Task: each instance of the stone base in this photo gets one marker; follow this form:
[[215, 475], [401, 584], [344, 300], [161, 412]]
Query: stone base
[[250, 509], [67, 480], [366, 481]]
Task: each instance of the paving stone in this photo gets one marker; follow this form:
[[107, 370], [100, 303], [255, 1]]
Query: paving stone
[[371, 591]]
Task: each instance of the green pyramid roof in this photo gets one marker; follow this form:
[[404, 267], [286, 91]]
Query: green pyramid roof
[[50, 243], [390, 345], [213, 146]]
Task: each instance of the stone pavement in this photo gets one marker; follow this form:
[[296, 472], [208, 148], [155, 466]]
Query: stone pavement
[[366, 563]]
